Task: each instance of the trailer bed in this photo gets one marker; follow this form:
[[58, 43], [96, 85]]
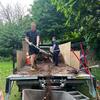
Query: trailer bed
[[45, 69]]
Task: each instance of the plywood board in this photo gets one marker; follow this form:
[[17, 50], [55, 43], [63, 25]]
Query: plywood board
[[74, 62], [25, 46], [19, 59], [25, 50], [21, 54], [65, 52]]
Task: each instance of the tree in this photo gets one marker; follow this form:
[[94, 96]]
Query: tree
[[13, 24], [83, 17], [48, 20], [10, 14]]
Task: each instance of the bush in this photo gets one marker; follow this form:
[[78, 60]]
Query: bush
[[2, 59]]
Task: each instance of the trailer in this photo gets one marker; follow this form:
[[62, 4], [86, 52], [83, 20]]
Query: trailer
[[63, 78]]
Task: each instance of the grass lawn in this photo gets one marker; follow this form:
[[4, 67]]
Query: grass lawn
[[6, 69]]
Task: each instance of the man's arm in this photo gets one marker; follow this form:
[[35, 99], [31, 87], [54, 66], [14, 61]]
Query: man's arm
[[38, 40], [27, 40]]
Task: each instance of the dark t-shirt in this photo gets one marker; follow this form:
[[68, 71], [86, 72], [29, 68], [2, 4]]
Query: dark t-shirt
[[32, 36], [55, 46]]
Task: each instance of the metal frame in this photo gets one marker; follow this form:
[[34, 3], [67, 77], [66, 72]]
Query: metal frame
[[63, 80]]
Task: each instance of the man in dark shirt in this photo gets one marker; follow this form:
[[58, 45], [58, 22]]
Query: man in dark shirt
[[32, 37]]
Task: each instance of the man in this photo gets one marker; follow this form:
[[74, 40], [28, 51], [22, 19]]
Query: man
[[32, 37], [55, 51]]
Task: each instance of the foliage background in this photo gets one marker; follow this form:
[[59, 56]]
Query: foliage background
[[67, 19]]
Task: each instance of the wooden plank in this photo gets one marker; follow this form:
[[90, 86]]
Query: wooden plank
[[25, 46], [21, 55], [19, 59], [74, 61], [65, 52], [25, 49]]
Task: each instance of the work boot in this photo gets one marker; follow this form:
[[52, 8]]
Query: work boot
[[33, 67]]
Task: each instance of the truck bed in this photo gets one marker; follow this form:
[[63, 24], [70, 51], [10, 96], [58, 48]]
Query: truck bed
[[45, 69]]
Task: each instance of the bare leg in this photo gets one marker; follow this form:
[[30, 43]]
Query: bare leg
[[33, 56]]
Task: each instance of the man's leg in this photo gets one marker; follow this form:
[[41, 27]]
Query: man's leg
[[56, 58], [33, 56]]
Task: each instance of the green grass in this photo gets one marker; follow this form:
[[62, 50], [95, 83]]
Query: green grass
[[96, 72], [6, 70]]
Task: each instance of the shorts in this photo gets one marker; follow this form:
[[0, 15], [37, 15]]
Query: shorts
[[33, 50]]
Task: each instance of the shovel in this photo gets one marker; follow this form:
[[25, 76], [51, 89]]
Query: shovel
[[41, 50]]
